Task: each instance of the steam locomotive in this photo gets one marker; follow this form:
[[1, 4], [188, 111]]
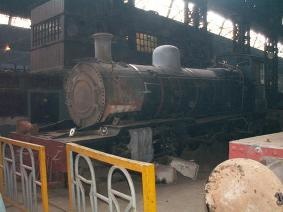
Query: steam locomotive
[[136, 111], [146, 111], [100, 89], [110, 97]]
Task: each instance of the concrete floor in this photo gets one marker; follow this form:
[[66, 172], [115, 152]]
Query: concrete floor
[[185, 195]]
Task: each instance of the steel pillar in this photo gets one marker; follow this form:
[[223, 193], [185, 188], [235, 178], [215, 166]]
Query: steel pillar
[[271, 68], [197, 17], [241, 37]]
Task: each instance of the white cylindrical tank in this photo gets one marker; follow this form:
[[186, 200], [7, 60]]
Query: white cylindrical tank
[[167, 57]]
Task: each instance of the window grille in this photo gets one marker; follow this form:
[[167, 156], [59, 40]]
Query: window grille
[[145, 43], [46, 32]]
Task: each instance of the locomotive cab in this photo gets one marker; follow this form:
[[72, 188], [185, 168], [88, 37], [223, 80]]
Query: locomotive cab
[[253, 69]]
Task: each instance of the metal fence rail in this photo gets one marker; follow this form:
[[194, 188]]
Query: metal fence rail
[[77, 195], [16, 171]]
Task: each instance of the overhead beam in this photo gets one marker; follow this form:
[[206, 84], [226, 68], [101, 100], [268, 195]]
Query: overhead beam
[[170, 8]]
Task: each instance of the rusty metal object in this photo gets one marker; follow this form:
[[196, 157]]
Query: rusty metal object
[[25, 127], [85, 93], [95, 91], [55, 155], [242, 185], [267, 149]]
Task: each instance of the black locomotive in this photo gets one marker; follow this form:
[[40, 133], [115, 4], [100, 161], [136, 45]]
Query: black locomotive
[[100, 90], [126, 108], [112, 98]]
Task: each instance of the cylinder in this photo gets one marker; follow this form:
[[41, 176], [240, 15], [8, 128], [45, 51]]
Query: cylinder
[[102, 46], [167, 57]]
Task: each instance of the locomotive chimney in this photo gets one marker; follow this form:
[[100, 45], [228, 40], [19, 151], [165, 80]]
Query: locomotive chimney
[[167, 57], [102, 46]]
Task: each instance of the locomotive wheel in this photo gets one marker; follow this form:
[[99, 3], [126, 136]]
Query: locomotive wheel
[[242, 185]]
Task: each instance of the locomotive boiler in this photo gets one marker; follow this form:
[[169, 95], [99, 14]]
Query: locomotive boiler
[[102, 91]]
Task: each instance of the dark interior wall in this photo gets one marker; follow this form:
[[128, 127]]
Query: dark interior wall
[[18, 37], [19, 42], [13, 97], [222, 45]]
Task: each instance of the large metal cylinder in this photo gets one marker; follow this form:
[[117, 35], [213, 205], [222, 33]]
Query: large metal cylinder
[[167, 57], [97, 92], [242, 184]]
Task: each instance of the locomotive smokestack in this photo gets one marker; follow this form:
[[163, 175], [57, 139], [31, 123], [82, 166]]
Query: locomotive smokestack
[[102, 46]]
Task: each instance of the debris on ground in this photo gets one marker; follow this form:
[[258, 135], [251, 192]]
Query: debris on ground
[[185, 167], [165, 174]]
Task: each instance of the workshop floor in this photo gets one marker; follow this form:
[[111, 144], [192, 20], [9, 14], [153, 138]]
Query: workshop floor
[[184, 195]]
